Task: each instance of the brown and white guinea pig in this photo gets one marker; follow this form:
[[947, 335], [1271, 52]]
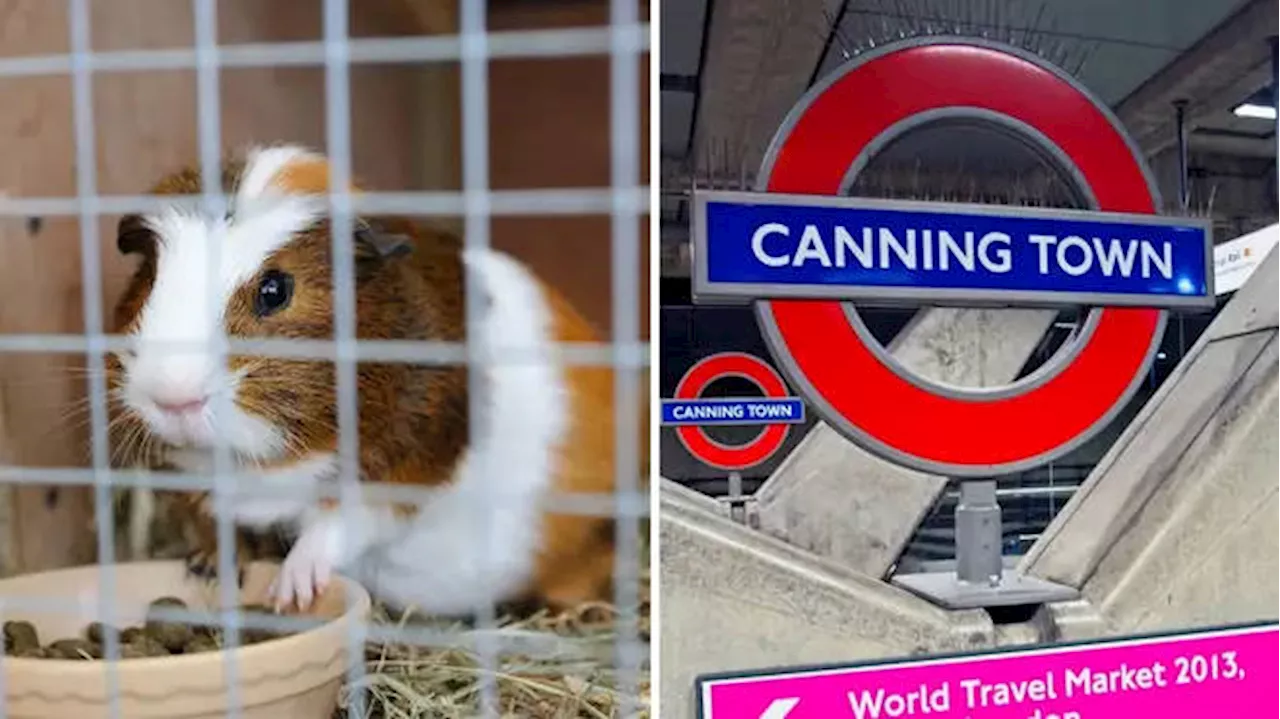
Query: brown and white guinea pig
[[482, 535]]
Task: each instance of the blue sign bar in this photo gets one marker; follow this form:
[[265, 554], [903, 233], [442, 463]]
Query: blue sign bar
[[764, 245], [756, 410]]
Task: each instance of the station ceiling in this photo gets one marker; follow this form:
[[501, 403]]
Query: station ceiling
[[730, 69]]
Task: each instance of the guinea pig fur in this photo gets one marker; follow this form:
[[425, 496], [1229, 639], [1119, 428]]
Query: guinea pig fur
[[483, 535]]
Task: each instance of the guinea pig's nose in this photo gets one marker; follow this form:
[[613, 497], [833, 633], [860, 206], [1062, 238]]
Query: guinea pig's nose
[[189, 404]]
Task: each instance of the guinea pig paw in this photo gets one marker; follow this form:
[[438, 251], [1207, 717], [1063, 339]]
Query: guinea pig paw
[[302, 578]]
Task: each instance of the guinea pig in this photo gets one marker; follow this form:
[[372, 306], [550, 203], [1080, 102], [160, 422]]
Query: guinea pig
[[483, 533]]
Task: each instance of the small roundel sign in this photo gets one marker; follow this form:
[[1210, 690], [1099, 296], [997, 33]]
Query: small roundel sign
[[690, 413]]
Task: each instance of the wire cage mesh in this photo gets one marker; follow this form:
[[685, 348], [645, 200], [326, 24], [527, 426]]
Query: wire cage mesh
[[485, 667]]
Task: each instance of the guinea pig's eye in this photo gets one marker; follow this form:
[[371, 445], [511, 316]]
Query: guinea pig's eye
[[133, 236], [274, 292]]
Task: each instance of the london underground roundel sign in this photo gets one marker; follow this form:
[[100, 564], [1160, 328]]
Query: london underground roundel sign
[[690, 413], [807, 255]]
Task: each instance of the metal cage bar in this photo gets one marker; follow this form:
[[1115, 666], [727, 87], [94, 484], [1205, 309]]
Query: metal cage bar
[[625, 171], [475, 186], [209, 141], [338, 141], [91, 277], [566, 42], [524, 203]]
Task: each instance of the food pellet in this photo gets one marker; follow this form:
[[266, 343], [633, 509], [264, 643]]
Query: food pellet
[[156, 638], [201, 643], [75, 649], [20, 636], [96, 633], [173, 635], [129, 651], [149, 646]]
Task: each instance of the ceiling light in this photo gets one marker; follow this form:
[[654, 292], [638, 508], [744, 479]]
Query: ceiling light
[[1262, 112]]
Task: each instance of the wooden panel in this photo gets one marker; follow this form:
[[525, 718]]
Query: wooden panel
[[550, 127], [438, 135], [38, 394]]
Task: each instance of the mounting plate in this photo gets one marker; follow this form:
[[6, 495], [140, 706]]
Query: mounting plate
[[948, 591]]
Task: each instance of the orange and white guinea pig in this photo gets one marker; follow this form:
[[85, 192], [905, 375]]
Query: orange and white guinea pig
[[482, 535]]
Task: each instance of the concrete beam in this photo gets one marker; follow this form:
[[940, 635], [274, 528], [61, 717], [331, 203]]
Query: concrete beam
[[1203, 550], [841, 502], [1233, 145], [1208, 75], [1197, 547], [760, 54], [1174, 431], [735, 599]]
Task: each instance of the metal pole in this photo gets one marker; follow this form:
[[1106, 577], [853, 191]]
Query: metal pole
[[737, 510], [1184, 192], [978, 533]]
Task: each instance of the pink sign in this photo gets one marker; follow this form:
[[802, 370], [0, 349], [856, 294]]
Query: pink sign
[[1226, 673]]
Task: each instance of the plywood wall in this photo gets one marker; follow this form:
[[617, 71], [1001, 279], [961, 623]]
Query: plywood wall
[[549, 128]]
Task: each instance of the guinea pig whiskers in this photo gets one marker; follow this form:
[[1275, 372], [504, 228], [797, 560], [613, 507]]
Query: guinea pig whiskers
[[259, 406], [135, 435], [66, 409], [42, 382], [293, 445], [248, 369], [132, 442], [82, 371], [281, 379], [78, 410], [128, 449], [255, 370]]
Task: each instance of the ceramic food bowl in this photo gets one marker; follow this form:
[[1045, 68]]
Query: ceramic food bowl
[[297, 675]]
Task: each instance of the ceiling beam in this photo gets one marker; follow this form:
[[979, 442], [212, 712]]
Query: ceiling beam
[[759, 55], [1233, 144], [1208, 75]]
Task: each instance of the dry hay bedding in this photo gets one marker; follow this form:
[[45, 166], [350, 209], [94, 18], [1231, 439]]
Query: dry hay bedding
[[567, 671]]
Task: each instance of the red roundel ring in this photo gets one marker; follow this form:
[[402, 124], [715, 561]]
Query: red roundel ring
[[860, 391], [696, 439]]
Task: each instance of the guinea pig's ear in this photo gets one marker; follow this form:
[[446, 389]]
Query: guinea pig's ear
[[376, 243], [133, 236]]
